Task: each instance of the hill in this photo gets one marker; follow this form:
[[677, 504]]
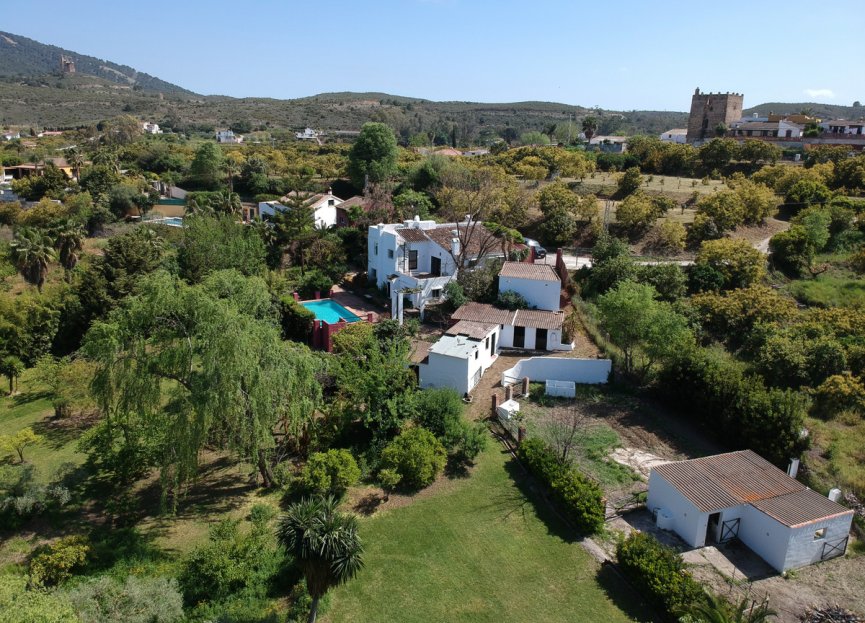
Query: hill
[[821, 111], [25, 58]]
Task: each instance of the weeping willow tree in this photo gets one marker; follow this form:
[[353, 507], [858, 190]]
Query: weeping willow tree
[[180, 368]]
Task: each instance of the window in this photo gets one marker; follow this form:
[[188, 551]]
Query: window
[[436, 293], [390, 254], [412, 260], [376, 248], [820, 534], [331, 202], [476, 353]]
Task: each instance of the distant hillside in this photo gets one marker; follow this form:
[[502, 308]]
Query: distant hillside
[[25, 58], [822, 111]]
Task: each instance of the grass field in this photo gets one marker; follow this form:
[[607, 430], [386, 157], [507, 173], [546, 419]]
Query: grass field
[[478, 549]]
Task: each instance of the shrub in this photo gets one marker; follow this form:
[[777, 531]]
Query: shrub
[[416, 455], [658, 572], [330, 472], [30, 501], [440, 412], [740, 264], [580, 498], [231, 562], [18, 603], [136, 600], [296, 320], [512, 300], [52, 564], [838, 393]]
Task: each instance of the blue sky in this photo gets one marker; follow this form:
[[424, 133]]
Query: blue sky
[[640, 54]]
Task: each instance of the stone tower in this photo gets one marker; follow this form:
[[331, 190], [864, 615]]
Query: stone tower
[[708, 110], [67, 65]]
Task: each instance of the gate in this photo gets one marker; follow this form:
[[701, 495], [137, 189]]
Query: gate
[[833, 550], [729, 530]]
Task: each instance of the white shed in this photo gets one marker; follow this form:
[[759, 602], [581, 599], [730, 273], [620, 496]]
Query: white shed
[[539, 284], [460, 357], [529, 329], [740, 495]]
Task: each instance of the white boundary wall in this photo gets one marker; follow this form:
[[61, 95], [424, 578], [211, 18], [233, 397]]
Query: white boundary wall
[[540, 369]]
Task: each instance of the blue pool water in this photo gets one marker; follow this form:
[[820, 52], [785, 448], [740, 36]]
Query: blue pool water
[[173, 221], [330, 311]]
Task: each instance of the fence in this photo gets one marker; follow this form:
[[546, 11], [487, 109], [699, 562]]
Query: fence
[[540, 369]]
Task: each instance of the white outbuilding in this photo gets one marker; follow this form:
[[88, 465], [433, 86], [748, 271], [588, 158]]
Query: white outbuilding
[[539, 284], [528, 329], [740, 495], [460, 357]]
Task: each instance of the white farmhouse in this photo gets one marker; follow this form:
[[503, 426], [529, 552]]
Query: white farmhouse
[[414, 260], [460, 357], [151, 128], [676, 135], [323, 206], [307, 135], [539, 284], [529, 329], [227, 136], [715, 499]]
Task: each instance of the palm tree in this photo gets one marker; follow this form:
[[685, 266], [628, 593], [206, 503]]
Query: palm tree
[[324, 543], [716, 609], [590, 126], [232, 168], [69, 242], [228, 203], [75, 159], [31, 251]]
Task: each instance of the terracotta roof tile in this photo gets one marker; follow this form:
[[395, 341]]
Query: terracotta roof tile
[[539, 319], [471, 330], [481, 312], [523, 270], [411, 235]]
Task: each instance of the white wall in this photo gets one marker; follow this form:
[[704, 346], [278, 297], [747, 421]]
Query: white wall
[[766, 537], [803, 550], [540, 369], [444, 371], [688, 521], [541, 294]]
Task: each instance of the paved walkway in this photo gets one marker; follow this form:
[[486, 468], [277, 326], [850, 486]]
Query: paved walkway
[[356, 304]]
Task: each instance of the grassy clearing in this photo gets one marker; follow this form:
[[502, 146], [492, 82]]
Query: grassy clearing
[[829, 290], [479, 549], [30, 407], [839, 455]]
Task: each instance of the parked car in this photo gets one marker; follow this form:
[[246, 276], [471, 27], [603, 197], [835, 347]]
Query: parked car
[[540, 252]]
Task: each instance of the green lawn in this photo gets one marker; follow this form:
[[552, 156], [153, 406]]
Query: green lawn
[[830, 291], [478, 549], [30, 407]]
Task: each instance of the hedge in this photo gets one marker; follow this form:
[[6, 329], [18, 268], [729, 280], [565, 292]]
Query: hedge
[[580, 498], [658, 572]]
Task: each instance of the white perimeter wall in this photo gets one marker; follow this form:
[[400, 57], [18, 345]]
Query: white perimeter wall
[[540, 369], [540, 294]]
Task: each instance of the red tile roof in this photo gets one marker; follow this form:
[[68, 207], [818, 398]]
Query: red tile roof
[[471, 330], [522, 270], [481, 312], [539, 319], [800, 508]]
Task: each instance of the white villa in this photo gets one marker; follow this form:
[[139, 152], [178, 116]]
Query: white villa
[[715, 499], [415, 259], [151, 128], [324, 207], [460, 357], [307, 135], [676, 135], [227, 136]]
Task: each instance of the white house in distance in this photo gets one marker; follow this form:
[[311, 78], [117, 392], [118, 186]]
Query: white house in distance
[[840, 126], [676, 135], [307, 135], [324, 208], [539, 284], [741, 495], [151, 128], [460, 357], [227, 136], [415, 259], [529, 329]]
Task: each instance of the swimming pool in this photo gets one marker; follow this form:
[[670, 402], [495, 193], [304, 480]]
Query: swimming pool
[[330, 311]]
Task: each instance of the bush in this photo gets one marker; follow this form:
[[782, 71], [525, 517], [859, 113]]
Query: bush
[[31, 501], [52, 564], [416, 455], [512, 300], [296, 320], [658, 572], [839, 393], [440, 412], [232, 562], [580, 498], [18, 603], [137, 600], [330, 472]]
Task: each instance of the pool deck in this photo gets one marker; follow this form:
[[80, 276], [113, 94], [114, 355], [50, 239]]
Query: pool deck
[[356, 304]]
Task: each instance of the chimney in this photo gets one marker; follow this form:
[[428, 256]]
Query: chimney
[[455, 246], [834, 494], [793, 469], [468, 218]]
